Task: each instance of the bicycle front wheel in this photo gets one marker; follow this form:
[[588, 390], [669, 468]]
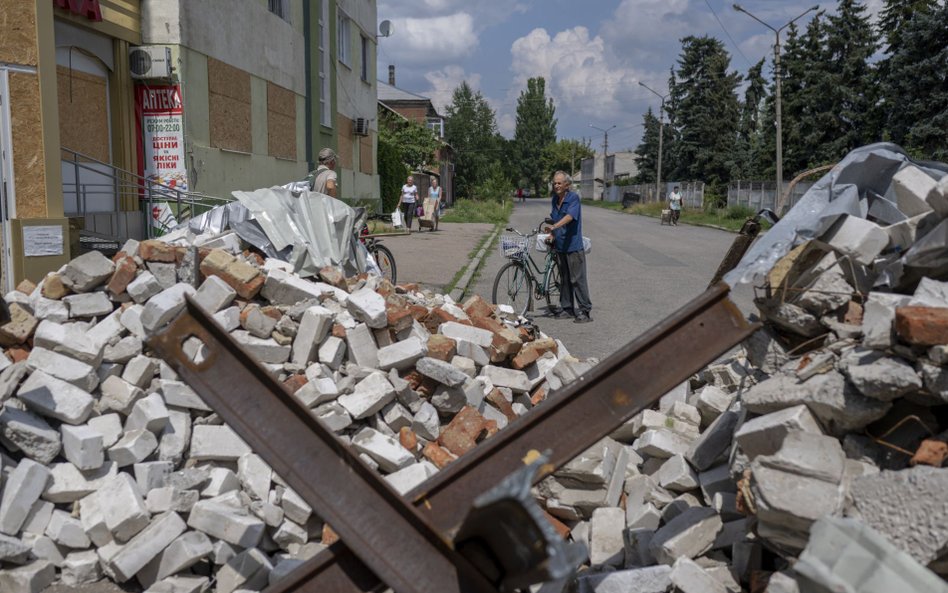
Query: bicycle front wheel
[[513, 286], [386, 261], [552, 287]]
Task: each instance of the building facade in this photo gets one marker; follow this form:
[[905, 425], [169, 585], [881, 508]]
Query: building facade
[[103, 100], [600, 173]]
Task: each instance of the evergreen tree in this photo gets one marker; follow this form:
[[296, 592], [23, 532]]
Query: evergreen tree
[[706, 112], [749, 133], [918, 85], [896, 14], [646, 154], [535, 131], [470, 127]]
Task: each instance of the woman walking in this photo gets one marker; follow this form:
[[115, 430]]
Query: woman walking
[[407, 201], [434, 193]]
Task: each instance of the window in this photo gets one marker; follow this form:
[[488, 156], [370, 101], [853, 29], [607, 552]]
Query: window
[[281, 8], [365, 59], [342, 38], [325, 111], [436, 125]]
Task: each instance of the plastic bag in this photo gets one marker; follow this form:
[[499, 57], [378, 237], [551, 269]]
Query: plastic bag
[[397, 219], [420, 210], [587, 244], [541, 243]]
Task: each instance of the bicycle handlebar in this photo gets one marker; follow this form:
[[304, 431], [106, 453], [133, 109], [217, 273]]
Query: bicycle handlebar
[[535, 231]]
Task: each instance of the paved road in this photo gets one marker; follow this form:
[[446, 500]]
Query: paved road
[[639, 273]]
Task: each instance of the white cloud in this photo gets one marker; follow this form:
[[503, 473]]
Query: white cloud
[[444, 81], [435, 40]]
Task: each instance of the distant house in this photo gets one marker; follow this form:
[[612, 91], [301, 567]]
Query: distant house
[[420, 109], [599, 174]]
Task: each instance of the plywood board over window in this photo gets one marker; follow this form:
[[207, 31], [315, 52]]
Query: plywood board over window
[[345, 142], [281, 122], [83, 113], [229, 106]]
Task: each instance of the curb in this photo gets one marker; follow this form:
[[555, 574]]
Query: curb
[[457, 293]]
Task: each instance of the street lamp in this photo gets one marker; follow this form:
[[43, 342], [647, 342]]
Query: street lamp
[[740, 8], [661, 133], [605, 153]]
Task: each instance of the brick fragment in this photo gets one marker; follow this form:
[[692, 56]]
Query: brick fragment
[[531, 351], [155, 250], [419, 312], [407, 287], [442, 347], [497, 399], [245, 279], [294, 382], [18, 354], [333, 276], [505, 342], [538, 395], [476, 306], [560, 527], [435, 318], [438, 455], [26, 286], [922, 326], [329, 536], [338, 331], [930, 452], [20, 327], [464, 431], [408, 438], [399, 317], [125, 270], [53, 287]]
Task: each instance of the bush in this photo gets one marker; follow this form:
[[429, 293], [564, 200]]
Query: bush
[[739, 212], [392, 172], [496, 187], [489, 211]]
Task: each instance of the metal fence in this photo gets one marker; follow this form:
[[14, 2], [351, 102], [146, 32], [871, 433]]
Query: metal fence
[[692, 192], [761, 194]]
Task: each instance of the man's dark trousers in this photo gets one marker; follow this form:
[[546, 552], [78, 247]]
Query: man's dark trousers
[[573, 282]]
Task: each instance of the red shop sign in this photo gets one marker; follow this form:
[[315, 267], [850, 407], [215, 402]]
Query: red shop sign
[[87, 8]]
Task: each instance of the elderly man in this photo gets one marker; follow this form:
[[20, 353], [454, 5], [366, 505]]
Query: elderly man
[[323, 179], [567, 239]]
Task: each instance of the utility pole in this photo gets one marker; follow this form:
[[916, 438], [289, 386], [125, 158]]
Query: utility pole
[[605, 153], [661, 134], [779, 111]]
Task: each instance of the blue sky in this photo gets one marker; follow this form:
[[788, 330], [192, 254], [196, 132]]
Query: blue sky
[[592, 53]]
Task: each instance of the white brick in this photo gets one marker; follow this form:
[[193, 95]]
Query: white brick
[[176, 437], [263, 349], [23, 487], [515, 380], [248, 571], [68, 484], [143, 287], [234, 526], [368, 306], [131, 320], [362, 348], [283, 288], [109, 426], [332, 352], [83, 446], [314, 325], [134, 447], [30, 433], [69, 339], [607, 546], [123, 507], [148, 413], [66, 530], [216, 442], [475, 335], [254, 475], [32, 578], [164, 306], [87, 271], [180, 395], [52, 397], [369, 396], [90, 304], [63, 367], [385, 450], [185, 551], [221, 481], [402, 355], [151, 474], [145, 546], [214, 294], [140, 370], [80, 568], [119, 395]]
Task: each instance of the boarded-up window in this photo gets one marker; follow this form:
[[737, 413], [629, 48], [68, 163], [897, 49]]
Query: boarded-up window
[[281, 122], [366, 162], [229, 106], [83, 113], [345, 142]]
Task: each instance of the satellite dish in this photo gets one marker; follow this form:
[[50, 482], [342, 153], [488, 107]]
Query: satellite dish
[[385, 28]]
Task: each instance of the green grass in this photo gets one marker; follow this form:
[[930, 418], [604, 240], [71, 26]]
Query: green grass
[[731, 218], [479, 211], [470, 257]]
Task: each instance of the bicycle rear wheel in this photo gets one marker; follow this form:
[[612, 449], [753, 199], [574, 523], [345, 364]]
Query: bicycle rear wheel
[[386, 261], [513, 286], [552, 288]]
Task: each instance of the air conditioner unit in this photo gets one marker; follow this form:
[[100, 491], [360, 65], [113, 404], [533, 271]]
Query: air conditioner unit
[[150, 61], [361, 127]]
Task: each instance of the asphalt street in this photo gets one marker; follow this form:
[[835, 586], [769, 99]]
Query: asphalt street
[[639, 272]]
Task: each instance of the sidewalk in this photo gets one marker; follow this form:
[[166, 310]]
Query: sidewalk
[[432, 259]]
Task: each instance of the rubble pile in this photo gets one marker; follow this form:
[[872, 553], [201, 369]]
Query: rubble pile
[[112, 466], [811, 459]]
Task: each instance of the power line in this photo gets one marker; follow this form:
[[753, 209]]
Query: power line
[[723, 28]]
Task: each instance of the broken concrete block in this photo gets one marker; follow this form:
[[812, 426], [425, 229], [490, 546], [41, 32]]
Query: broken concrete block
[[914, 191], [133, 448], [180, 395], [426, 423], [713, 442], [283, 288], [51, 397], [119, 395], [87, 271], [31, 578], [332, 352], [879, 317], [63, 367], [369, 396], [233, 525], [661, 443], [80, 568], [148, 413], [407, 478], [711, 402], [140, 370], [220, 443], [442, 372], [68, 484], [314, 325], [122, 506], [879, 376], [38, 518], [515, 380], [144, 547], [180, 584], [22, 489], [247, 571], [123, 351], [265, 350], [788, 503], [690, 534], [402, 355], [214, 294], [185, 551], [254, 475], [688, 577], [30, 434], [676, 475], [651, 579], [765, 435], [334, 416], [858, 238], [152, 474], [362, 348], [176, 437], [70, 339], [66, 530], [143, 287], [368, 306], [83, 446], [607, 546], [385, 450], [90, 304], [164, 306]]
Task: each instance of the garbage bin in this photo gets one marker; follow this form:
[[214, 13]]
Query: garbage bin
[[630, 197]]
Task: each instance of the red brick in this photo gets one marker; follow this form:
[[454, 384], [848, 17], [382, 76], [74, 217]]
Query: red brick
[[329, 536], [157, 251], [125, 270], [399, 318], [419, 312], [930, 452], [256, 257], [531, 351], [385, 288], [272, 312], [477, 307], [19, 328], [294, 382], [442, 347], [497, 399], [53, 287], [425, 386], [333, 276], [437, 455], [239, 275], [538, 396], [436, 317], [464, 431], [408, 439], [18, 353], [339, 331], [406, 287], [26, 286], [922, 326], [506, 342], [560, 527]]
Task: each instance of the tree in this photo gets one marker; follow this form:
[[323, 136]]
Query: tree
[[470, 127], [404, 146], [535, 131], [750, 131], [566, 155], [646, 153], [896, 14], [706, 112], [918, 85]]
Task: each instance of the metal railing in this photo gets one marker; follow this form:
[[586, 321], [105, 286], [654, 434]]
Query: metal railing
[[102, 194]]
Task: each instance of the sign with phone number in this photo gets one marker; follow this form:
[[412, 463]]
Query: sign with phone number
[[163, 134]]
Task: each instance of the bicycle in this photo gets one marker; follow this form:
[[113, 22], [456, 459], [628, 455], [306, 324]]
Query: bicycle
[[522, 278], [383, 256]]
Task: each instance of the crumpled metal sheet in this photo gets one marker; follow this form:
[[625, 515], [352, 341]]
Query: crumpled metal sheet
[[855, 188], [218, 219], [310, 231]]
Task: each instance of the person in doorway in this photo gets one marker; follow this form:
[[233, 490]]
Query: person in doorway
[[323, 178], [407, 200], [674, 204], [434, 193], [567, 239]]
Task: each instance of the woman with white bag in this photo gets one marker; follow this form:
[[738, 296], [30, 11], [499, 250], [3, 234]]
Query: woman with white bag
[[406, 202]]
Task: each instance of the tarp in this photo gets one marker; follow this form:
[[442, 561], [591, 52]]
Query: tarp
[[860, 186]]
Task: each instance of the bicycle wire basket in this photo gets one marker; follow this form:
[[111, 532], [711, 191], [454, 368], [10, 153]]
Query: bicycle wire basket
[[514, 246]]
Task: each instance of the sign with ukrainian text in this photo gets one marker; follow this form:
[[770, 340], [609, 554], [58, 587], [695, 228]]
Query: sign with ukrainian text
[[162, 132]]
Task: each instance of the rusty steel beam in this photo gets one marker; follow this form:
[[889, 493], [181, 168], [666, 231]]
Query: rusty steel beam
[[566, 424], [392, 538]]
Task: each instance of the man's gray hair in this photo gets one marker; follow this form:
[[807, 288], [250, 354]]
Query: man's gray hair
[[565, 175], [326, 155]]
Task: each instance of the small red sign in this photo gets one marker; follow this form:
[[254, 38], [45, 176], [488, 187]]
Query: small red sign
[[87, 8]]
